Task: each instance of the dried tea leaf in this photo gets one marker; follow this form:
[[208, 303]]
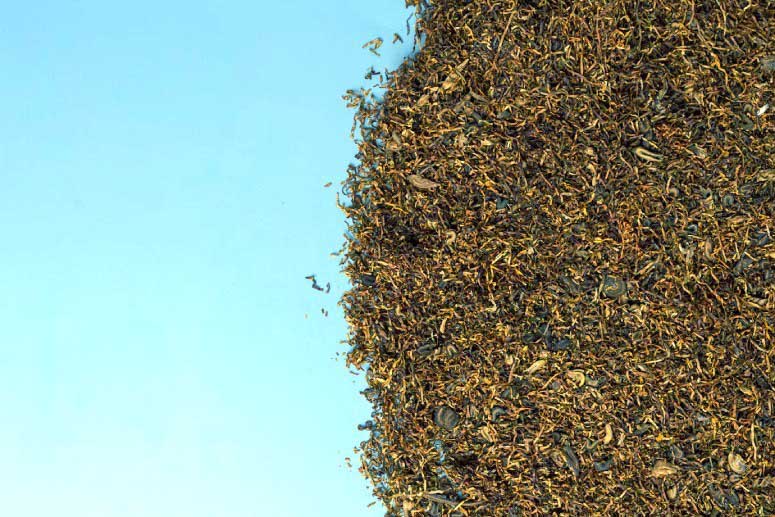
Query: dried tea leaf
[[645, 154], [497, 412], [736, 463], [595, 382], [373, 45], [767, 64], [577, 376], [698, 151], [452, 82], [422, 183], [394, 144], [426, 349], [613, 287], [664, 469], [571, 460], [609, 434], [536, 366], [446, 417], [558, 458]]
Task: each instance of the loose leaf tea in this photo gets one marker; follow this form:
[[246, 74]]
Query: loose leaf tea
[[562, 252]]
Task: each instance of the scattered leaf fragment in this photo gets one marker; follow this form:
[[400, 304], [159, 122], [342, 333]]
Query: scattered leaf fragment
[[373, 45]]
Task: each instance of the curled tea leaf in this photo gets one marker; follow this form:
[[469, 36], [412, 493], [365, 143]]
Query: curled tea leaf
[[425, 350], [446, 417], [571, 460], [609, 434], [511, 392], [554, 344], [767, 64], [394, 144], [536, 366], [373, 45], [454, 81], [646, 155], [497, 412], [577, 376], [736, 463], [595, 382], [422, 183], [613, 287], [558, 458], [664, 469], [368, 280], [440, 499], [698, 151]]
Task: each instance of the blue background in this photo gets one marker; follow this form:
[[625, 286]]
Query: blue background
[[161, 201]]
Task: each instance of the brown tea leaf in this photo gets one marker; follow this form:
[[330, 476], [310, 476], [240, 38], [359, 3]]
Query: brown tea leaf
[[536, 366], [571, 460], [609, 434], [645, 154], [446, 417], [422, 183], [664, 469], [736, 463], [577, 376]]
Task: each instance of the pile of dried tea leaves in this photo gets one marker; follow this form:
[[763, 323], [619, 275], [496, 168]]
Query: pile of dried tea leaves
[[562, 249]]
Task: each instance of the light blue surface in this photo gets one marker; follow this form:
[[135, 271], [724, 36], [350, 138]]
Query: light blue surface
[[161, 200]]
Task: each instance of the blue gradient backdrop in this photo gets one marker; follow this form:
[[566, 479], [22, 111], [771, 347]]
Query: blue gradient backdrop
[[161, 200]]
